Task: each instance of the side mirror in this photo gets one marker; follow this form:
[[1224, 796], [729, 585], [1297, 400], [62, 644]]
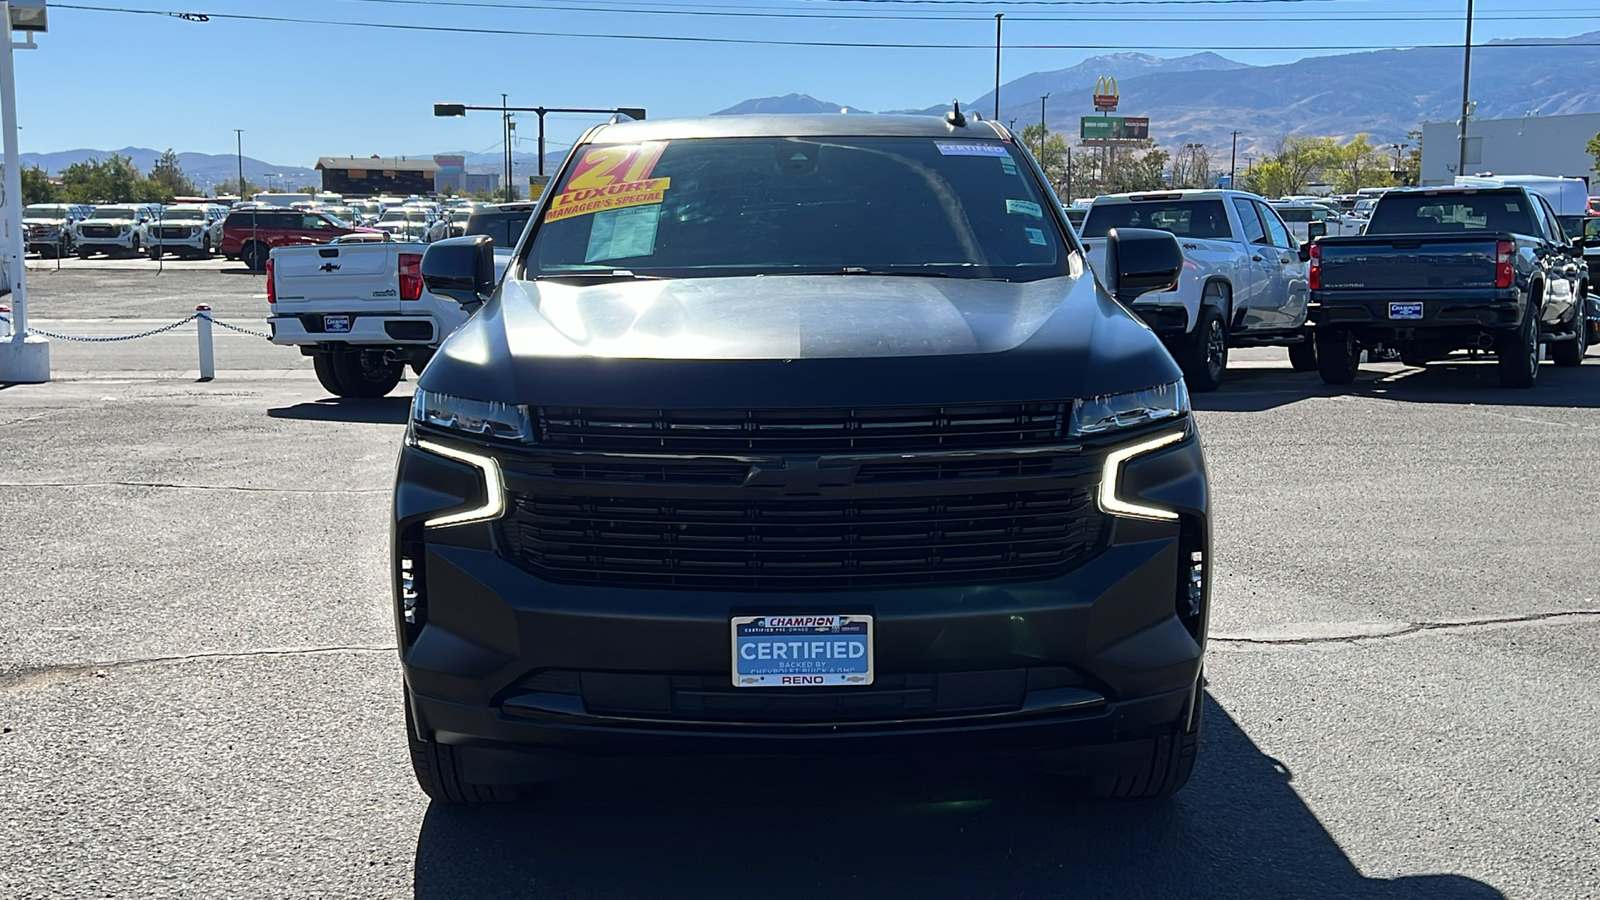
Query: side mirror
[[1317, 229], [461, 269], [1305, 252], [1140, 260]]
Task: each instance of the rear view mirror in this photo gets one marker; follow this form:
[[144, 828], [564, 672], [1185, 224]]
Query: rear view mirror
[[1305, 252], [1140, 260], [461, 269]]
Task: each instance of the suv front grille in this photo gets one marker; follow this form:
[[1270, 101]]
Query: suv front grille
[[803, 431], [172, 232], [804, 544], [100, 231]]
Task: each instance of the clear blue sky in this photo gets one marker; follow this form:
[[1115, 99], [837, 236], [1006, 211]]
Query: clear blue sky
[[108, 80]]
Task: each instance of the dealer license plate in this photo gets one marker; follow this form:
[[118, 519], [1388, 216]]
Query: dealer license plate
[[336, 324], [802, 651], [1405, 310]]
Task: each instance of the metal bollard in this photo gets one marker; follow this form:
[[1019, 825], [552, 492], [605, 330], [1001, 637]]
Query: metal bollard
[[208, 369]]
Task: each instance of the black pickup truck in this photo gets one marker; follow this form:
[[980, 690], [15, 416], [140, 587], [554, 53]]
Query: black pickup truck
[[1446, 269]]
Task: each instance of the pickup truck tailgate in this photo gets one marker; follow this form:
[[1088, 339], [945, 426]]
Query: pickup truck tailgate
[[337, 276], [1408, 262]]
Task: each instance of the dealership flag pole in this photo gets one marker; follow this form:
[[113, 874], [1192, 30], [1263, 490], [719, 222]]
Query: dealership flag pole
[[24, 359]]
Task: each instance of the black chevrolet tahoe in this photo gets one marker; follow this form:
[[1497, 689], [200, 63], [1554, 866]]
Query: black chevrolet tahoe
[[801, 436], [1445, 269]]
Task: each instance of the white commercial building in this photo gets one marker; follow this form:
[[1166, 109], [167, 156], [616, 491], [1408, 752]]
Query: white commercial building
[[1530, 145]]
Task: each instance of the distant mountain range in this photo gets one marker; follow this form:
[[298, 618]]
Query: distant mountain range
[[204, 169], [787, 105], [1205, 97]]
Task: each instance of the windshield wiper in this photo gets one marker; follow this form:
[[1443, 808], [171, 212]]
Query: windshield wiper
[[614, 273], [863, 270]]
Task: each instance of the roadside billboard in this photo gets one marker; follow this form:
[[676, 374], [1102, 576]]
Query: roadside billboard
[[1114, 128]]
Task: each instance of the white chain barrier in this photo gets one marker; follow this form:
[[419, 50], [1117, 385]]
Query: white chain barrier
[[201, 315]]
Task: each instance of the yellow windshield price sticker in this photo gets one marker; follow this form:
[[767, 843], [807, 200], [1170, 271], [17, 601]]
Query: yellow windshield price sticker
[[614, 177]]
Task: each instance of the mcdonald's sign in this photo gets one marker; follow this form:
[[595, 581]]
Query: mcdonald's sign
[[1105, 94]]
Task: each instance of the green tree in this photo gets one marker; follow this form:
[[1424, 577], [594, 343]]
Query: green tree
[[1291, 168], [1593, 149], [1358, 164], [167, 175], [117, 180], [1051, 154], [1270, 179], [37, 187]]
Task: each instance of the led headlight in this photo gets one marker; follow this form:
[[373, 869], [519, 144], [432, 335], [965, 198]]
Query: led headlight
[[480, 418], [1114, 412]]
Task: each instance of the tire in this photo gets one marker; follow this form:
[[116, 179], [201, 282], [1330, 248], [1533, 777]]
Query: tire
[[1303, 356], [85, 253], [47, 253], [1170, 765], [1517, 352], [1571, 353], [326, 375], [205, 247], [1203, 353], [438, 770], [255, 255], [134, 247], [1338, 356], [356, 377], [155, 253]]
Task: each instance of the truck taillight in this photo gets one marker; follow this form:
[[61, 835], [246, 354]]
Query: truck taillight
[[411, 276], [1504, 274], [1314, 274], [272, 287]]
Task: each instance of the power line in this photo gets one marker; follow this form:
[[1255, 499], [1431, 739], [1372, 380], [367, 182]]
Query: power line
[[865, 45], [770, 12]]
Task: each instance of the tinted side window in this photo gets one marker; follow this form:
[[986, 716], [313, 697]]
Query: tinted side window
[[1551, 222], [1253, 232], [1275, 228]]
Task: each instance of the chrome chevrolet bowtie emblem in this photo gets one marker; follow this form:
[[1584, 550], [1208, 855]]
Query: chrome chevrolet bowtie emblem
[[800, 475]]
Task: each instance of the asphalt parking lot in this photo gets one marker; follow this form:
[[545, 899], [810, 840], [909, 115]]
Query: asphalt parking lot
[[199, 695]]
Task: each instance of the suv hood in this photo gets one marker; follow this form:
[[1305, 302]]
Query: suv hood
[[99, 221], [798, 341], [39, 221]]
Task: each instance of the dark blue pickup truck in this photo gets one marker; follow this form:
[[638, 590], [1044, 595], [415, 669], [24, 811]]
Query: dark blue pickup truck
[[1446, 269]]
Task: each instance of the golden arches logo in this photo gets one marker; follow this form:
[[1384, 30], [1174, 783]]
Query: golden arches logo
[[1105, 86]]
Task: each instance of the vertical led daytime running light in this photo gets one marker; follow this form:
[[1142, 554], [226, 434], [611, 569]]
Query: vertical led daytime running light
[[1109, 502], [493, 484]]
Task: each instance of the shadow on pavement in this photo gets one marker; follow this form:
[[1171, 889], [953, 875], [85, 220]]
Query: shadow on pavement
[[1457, 380], [1238, 831], [381, 411]]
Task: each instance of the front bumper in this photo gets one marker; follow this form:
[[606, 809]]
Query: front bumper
[[499, 659], [121, 241], [187, 242], [374, 329]]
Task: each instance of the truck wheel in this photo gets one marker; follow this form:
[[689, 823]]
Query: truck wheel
[[1517, 352], [205, 248], [326, 376], [1203, 354], [1338, 356], [47, 253], [1571, 353], [85, 253], [1303, 356], [362, 375], [1172, 759], [254, 255], [438, 770], [156, 252]]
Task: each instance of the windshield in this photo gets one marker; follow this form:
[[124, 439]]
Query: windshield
[[504, 228], [775, 205], [47, 211], [1184, 218], [1422, 213], [403, 215], [1299, 214], [115, 212], [184, 215]]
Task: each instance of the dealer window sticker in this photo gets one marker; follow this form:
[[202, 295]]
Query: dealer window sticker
[[623, 233], [1024, 208], [1008, 165], [971, 149], [1035, 236], [613, 177]]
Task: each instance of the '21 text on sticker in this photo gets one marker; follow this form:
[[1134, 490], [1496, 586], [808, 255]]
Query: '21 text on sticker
[[611, 177]]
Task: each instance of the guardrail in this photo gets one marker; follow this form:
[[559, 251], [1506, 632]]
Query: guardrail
[[201, 316]]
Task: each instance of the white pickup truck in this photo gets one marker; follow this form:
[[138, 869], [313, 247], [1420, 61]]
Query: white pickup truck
[[357, 307], [1243, 283], [359, 310]]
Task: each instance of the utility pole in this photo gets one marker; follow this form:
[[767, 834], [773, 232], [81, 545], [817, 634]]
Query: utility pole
[[1466, 83], [997, 18], [1069, 174], [505, 127], [1233, 162], [238, 134]]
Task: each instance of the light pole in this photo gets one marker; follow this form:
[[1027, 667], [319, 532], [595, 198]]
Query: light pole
[[238, 134], [997, 18], [24, 358], [456, 110], [1233, 162], [1397, 148], [1466, 82], [1042, 127]]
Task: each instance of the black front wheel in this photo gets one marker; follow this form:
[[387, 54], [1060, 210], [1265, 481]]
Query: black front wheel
[[1338, 355], [255, 256], [1571, 353], [1203, 353], [1171, 763], [439, 771], [357, 374], [1303, 356]]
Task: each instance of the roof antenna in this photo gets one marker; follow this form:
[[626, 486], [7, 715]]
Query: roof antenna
[[954, 116]]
